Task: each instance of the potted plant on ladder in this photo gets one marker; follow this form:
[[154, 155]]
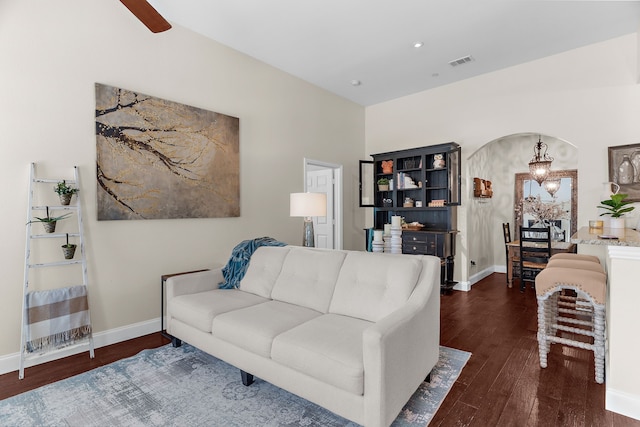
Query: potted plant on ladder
[[65, 192], [69, 249], [49, 222]]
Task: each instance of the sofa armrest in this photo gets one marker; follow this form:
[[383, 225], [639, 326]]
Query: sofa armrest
[[400, 350], [191, 283]]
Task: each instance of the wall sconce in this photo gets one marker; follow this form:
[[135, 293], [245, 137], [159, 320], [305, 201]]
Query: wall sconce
[[540, 165], [482, 188], [308, 205]]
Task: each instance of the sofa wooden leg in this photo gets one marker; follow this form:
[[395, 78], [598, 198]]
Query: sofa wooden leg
[[175, 342], [428, 379], [247, 378]]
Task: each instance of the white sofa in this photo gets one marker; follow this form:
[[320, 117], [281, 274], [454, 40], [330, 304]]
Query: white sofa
[[354, 332]]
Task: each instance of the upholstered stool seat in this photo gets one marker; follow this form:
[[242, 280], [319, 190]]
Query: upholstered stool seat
[[575, 264], [580, 257], [572, 299]]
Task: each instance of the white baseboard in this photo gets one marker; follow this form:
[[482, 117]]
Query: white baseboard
[[11, 362], [481, 275], [466, 286], [462, 286], [622, 403]]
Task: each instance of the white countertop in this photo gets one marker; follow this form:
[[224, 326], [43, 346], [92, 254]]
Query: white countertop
[[596, 236]]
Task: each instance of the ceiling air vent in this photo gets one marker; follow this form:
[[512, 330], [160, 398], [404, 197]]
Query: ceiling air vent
[[461, 61]]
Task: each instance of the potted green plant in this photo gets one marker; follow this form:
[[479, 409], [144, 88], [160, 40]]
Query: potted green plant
[[69, 249], [65, 192], [49, 222], [616, 206], [383, 184]]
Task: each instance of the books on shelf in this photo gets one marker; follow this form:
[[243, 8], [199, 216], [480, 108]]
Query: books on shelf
[[405, 182], [439, 203]]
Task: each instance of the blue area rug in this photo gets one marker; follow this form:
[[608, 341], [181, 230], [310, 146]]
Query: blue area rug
[[186, 387]]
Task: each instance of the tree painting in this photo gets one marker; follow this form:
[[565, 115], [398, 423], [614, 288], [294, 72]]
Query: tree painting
[[160, 159]]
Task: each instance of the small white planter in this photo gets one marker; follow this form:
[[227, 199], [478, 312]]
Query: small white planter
[[616, 223]]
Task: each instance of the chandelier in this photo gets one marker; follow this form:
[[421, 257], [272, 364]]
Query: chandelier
[[540, 165], [551, 185]]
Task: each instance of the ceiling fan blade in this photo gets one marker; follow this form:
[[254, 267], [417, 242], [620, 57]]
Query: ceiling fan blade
[[147, 15]]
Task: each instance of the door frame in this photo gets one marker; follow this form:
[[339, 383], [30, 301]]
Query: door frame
[[337, 169]]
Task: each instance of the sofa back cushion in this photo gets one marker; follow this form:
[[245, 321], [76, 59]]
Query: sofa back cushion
[[371, 286], [263, 270], [308, 277]]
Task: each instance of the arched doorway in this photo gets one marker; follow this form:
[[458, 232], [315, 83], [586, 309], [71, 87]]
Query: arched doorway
[[498, 161]]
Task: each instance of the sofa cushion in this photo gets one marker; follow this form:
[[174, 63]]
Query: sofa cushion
[[199, 309], [371, 286], [263, 270], [253, 328], [308, 277], [328, 348]]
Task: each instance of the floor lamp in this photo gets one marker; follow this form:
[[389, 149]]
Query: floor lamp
[[308, 205]]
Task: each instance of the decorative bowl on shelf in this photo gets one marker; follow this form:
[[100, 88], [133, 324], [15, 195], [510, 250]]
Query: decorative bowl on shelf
[[413, 226], [409, 164]]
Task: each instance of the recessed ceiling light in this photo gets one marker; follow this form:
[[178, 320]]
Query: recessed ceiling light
[[355, 82], [418, 44]]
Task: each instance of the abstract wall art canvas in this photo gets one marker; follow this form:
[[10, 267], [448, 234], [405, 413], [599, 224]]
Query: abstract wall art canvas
[[158, 159]]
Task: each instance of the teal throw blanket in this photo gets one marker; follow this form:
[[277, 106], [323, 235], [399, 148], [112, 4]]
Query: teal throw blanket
[[235, 269]]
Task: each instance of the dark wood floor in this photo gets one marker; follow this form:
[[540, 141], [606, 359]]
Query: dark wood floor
[[501, 385]]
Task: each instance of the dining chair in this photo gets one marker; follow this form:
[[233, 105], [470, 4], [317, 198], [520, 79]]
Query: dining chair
[[535, 251], [515, 267]]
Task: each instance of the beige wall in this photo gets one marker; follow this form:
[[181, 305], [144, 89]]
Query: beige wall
[[588, 97], [53, 53]]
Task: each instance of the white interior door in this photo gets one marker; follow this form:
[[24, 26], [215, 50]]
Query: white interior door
[[321, 181]]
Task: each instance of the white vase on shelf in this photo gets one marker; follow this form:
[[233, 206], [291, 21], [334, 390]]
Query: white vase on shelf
[[609, 189]]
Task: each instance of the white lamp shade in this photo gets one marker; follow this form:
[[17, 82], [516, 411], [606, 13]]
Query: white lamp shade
[[308, 204]]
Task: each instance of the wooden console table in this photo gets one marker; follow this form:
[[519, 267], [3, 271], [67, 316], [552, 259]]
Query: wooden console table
[[514, 251]]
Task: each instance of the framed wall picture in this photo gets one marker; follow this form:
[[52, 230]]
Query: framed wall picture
[[624, 169], [159, 159]]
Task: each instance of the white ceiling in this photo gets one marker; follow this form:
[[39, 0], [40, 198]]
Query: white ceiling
[[331, 42]]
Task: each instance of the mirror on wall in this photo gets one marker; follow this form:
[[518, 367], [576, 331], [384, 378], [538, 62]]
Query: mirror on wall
[[554, 203]]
